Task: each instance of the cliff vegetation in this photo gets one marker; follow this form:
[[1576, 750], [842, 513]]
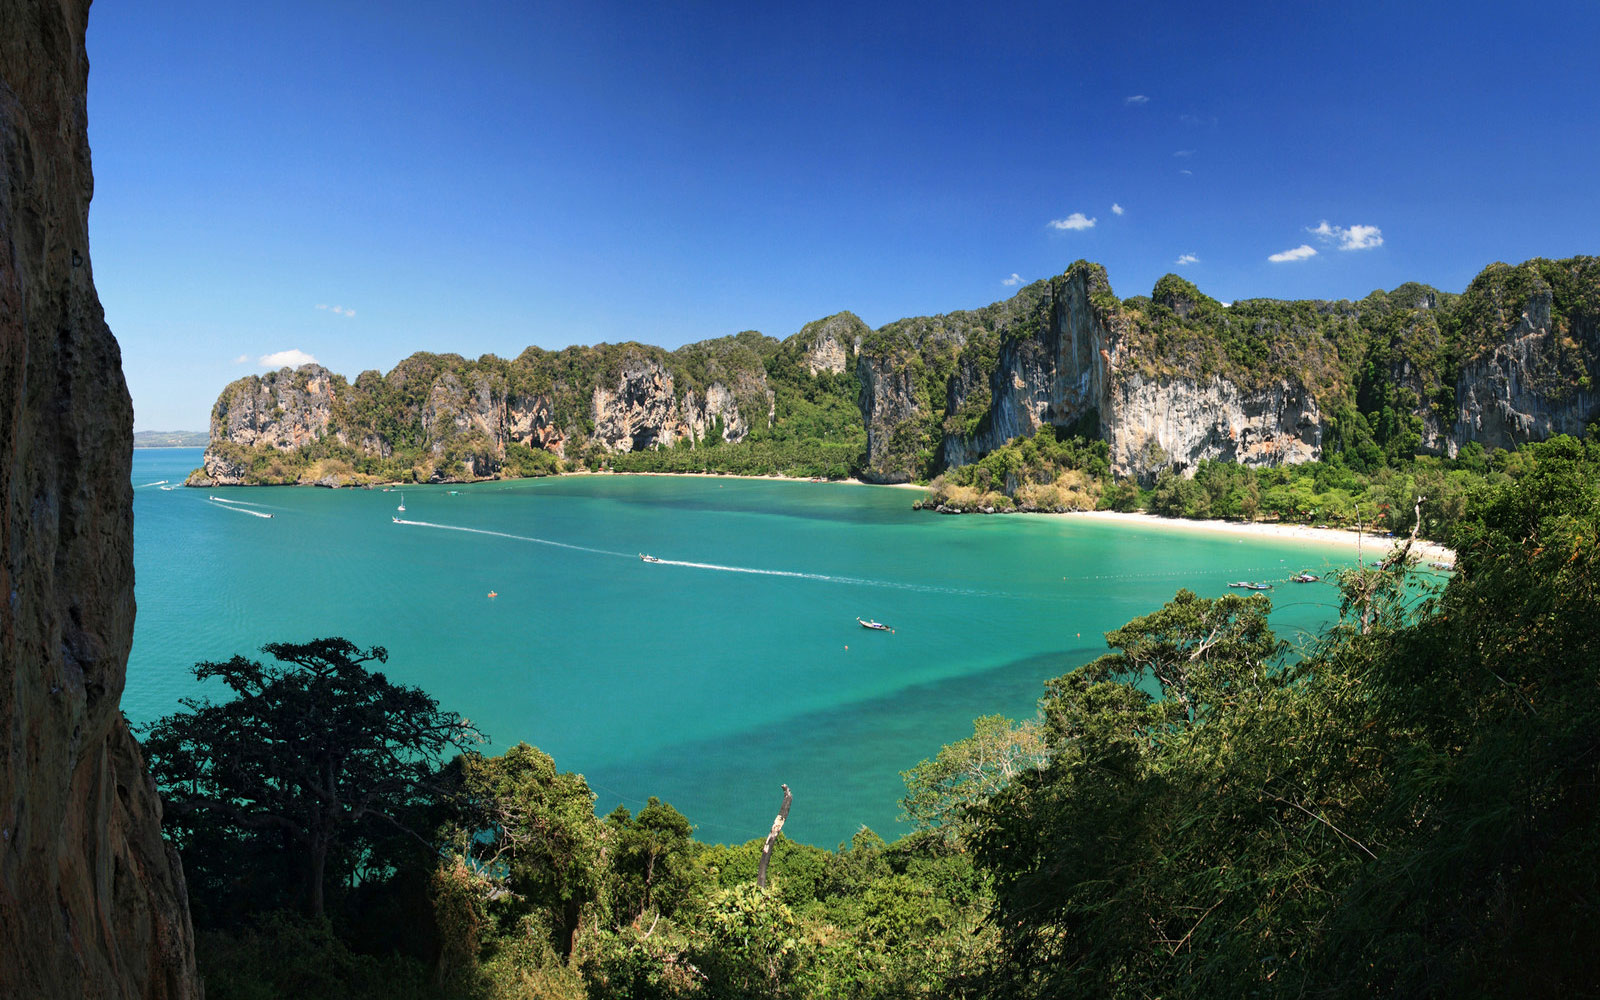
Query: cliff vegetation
[[1167, 381]]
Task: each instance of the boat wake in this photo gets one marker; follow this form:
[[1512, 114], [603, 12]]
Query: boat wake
[[518, 538], [222, 504], [854, 581], [687, 564], [240, 503], [158, 482]]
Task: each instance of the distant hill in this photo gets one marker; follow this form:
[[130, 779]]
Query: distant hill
[[170, 439], [1168, 380]]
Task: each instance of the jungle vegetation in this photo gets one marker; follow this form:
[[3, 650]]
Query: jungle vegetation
[[1409, 808]]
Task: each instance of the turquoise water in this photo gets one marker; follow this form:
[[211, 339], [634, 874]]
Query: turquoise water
[[734, 665]]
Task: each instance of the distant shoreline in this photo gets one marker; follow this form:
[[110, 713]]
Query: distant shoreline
[[1343, 537], [1366, 541]]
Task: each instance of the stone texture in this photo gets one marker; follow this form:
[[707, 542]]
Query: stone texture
[[1076, 365], [92, 902], [285, 409], [640, 411], [1514, 393]]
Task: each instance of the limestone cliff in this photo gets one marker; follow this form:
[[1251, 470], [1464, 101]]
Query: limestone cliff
[[1169, 380], [1176, 378], [1536, 362], [443, 418], [92, 901]]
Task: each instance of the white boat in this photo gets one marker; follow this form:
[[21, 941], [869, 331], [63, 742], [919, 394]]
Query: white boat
[[645, 558], [402, 506], [875, 626]]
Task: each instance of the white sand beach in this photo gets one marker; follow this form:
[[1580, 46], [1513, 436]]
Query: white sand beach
[[1376, 544]]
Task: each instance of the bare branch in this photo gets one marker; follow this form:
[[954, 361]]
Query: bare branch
[[777, 828]]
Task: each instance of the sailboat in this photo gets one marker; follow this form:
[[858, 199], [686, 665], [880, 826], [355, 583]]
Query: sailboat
[[402, 506]]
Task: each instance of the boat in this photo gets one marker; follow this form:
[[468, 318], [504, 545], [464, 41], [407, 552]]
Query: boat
[[396, 520], [402, 506], [493, 594], [875, 626], [1305, 578], [645, 558], [1247, 585]]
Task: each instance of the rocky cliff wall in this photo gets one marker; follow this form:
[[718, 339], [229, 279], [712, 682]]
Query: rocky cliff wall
[[1168, 380], [455, 418], [1535, 382], [1078, 366], [92, 901]]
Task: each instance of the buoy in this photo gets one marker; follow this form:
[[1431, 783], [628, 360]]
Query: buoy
[[493, 594]]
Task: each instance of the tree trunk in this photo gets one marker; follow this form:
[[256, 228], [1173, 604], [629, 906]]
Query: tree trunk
[[777, 828], [319, 867]]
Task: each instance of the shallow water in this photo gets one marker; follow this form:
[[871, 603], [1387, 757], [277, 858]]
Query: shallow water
[[733, 665]]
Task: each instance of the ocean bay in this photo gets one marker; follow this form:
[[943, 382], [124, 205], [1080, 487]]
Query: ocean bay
[[707, 679]]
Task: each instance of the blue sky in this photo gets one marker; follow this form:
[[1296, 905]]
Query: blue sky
[[478, 177]]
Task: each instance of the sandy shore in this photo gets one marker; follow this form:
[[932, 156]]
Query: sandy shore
[[1378, 545]]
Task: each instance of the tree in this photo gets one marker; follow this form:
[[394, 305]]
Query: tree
[[304, 777], [533, 830], [650, 855], [969, 771]]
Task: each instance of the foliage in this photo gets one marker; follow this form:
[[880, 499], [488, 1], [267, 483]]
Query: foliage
[[938, 791], [1408, 809], [314, 773]]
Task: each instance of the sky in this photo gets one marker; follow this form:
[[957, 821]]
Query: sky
[[353, 182]]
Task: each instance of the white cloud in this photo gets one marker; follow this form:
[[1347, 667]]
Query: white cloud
[[1187, 173], [1300, 252], [1187, 258], [1015, 279], [242, 359], [1362, 238], [1116, 209], [1348, 238], [1183, 154], [1077, 220], [1136, 99], [341, 310], [293, 358]]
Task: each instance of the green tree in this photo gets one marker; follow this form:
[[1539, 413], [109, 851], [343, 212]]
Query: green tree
[[302, 779], [532, 829], [938, 791]]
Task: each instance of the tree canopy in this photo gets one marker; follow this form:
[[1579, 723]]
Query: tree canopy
[[306, 777]]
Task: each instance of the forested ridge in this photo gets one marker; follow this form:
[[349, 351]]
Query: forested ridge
[[1398, 374], [1409, 808]]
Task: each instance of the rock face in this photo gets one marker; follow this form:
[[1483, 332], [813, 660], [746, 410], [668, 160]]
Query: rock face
[[831, 344], [92, 902], [1180, 423], [640, 411], [1063, 357], [1168, 380], [1177, 378], [1531, 384], [455, 419]]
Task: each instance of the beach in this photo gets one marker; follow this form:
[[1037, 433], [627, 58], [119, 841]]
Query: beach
[[1379, 545]]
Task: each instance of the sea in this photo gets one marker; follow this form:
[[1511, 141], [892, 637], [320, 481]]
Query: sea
[[732, 666]]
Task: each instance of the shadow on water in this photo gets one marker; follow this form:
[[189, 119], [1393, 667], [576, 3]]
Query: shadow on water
[[820, 756]]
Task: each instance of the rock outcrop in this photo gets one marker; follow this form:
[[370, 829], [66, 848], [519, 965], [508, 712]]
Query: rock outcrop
[[1537, 380], [1168, 380], [92, 901]]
